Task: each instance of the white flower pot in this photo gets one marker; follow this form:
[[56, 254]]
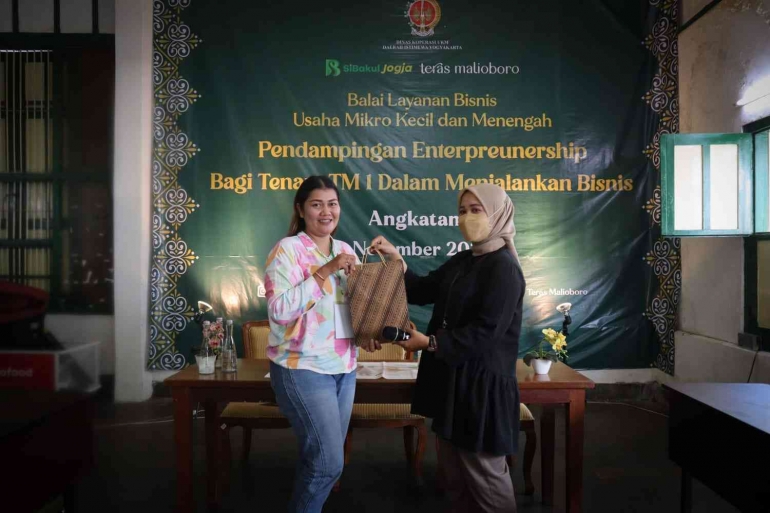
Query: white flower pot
[[541, 365]]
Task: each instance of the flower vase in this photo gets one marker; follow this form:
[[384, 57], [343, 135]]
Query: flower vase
[[541, 365]]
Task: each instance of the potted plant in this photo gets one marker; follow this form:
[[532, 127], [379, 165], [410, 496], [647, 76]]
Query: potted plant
[[542, 356]]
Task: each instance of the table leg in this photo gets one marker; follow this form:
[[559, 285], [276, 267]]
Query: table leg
[[183, 443], [686, 498], [212, 454], [547, 443], [575, 428]]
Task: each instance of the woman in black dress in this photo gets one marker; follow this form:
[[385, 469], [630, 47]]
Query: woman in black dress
[[467, 377]]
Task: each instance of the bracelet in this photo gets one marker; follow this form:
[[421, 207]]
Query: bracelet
[[431, 343], [317, 274]]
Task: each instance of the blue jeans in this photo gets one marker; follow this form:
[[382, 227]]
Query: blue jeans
[[318, 407]]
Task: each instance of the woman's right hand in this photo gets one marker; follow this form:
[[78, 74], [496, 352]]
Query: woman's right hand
[[342, 262], [371, 346], [381, 244]]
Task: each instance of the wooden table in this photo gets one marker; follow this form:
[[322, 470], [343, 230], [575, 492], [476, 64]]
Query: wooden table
[[565, 386], [561, 386], [717, 433]]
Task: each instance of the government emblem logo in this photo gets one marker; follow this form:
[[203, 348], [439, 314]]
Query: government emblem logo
[[423, 15]]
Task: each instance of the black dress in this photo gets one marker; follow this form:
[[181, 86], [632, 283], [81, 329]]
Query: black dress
[[468, 386]]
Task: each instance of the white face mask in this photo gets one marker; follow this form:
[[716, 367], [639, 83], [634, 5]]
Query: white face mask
[[474, 227]]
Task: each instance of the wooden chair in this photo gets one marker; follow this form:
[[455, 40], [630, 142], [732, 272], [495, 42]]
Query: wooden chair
[[366, 416], [246, 415], [526, 424]]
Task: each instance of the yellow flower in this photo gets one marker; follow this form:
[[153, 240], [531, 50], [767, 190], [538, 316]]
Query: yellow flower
[[557, 340], [550, 335]]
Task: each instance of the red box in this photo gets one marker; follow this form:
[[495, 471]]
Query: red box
[[28, 370], [72, 368]]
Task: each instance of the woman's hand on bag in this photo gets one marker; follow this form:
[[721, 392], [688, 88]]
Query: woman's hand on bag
[[417, 341], [342, 262], [371, 346], [382, 245]]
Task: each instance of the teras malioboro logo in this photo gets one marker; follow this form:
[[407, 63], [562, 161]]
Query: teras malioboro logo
[[423, 15]]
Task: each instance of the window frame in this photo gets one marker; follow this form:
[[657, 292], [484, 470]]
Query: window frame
[[745, 183], [761, 175], [58, 45], [750, 250]]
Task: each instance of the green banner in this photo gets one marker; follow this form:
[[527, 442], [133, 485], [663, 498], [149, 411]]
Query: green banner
[[403, 104]]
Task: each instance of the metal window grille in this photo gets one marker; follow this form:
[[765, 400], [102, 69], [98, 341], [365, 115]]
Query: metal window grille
[[26, 162]]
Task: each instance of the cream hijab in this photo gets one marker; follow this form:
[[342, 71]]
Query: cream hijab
[[499, 208]]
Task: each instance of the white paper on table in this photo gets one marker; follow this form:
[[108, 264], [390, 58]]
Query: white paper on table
[[400, 370], [267, 375], [369, 370], [343, 322]]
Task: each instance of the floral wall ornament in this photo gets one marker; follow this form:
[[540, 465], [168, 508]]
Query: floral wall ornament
[[664, 256], [170, 313]]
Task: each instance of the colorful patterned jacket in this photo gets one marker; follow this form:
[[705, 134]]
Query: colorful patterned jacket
[[302, 333]]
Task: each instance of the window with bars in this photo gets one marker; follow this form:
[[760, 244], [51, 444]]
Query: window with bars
[[26, 151], [56, 173]]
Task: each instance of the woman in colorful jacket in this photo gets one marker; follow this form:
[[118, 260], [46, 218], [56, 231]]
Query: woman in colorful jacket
[[312, 362]]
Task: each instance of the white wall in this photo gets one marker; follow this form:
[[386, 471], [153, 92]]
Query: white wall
[[761, 372], [124, 337], [692, 7], [711, 302], [626, 376], [700, 358], [722, 56], [131, 191]]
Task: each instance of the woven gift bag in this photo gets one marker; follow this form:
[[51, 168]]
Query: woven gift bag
[[377, 298]]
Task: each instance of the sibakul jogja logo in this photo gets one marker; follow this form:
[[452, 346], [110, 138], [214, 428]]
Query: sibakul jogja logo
[[334, 68], [423, 16]]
